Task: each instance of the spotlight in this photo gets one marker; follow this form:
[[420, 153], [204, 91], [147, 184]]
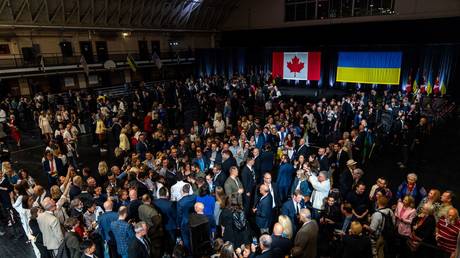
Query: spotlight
[[125, 34]]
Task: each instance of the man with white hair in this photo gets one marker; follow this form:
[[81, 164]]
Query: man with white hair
[[139, 247], [265, 245], [321, 186], [50, 227], [306, 239]]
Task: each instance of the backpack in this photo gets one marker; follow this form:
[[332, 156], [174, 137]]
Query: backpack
[[239, 220], [388, 232]]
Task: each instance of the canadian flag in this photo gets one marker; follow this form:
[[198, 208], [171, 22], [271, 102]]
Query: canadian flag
[[297, 65]]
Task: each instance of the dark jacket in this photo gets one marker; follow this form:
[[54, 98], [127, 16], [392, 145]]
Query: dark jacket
[[72, 241], [137, 249], [220, 179], [281, 246], [356, 247], [184, 208], [264, 211], [227, 164], [168, 213]]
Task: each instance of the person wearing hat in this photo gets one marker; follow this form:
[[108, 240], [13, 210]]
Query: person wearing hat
[[346, 179]]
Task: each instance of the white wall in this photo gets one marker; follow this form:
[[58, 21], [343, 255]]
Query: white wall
[[259, 14]]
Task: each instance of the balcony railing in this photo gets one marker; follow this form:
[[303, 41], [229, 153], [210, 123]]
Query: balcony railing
[[55, 59]]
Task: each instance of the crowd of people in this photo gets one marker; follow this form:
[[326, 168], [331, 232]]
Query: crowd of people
[[225, 168]]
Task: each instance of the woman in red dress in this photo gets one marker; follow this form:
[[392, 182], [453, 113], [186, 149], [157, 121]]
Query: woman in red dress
[[14, 132]]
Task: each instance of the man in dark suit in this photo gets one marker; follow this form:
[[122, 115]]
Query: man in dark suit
[[292, 207], [142, 147], [200, 229], [184, 208], [53, 167], [213, 156], [89, 248], [227, 162], [219, 176], [273, 188], [346, 178], [265, 245], [263, 209], [281, 246], [139, 247], [305, 242], [339, 161], [323, 160], [249, 183], [302, 149], [168, 215]]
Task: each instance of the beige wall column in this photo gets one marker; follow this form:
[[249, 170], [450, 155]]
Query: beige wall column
[[82, 81], [24, 87]]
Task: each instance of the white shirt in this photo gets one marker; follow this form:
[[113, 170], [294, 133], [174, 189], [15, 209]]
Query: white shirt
[[320, 191], [176, 190], [273, 196]]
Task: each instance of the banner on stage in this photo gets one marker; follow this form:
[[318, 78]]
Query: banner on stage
[[297, 65], [369, 67]]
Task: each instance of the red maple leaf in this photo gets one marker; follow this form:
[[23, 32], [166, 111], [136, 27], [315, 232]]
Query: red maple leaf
[[295, 66]]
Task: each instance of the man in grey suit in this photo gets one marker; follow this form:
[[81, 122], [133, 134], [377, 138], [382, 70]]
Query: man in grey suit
[[307, 236], [50, 227], [233, 184]]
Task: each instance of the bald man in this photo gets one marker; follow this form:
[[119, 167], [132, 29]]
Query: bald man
[[104, 222], [281, 246], [447, 231], [201, 230]]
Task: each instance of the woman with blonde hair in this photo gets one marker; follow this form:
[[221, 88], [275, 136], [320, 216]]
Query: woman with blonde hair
[[287, 225], [404, 215], [432, 198], [124, 141]]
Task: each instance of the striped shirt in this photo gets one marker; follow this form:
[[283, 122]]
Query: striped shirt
[[448, 234]]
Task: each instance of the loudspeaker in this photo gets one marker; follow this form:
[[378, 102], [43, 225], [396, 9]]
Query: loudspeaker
[[66, 49], [28, 54]]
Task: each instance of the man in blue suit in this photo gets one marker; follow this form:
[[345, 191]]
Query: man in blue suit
[[263, 209], [184, 208], [104, 221], [168, 213], [291, 208], [285, 176], [142, 147], [259, 139], [53, 167]]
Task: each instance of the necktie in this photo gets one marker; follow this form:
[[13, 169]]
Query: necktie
[[297, 208], [52, 166], [146, 244], [236, 181]]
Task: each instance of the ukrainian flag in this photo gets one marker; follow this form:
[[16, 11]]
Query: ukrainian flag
[[369, 67]]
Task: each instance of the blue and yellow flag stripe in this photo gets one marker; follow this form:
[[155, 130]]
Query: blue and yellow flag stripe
[[369, 67]]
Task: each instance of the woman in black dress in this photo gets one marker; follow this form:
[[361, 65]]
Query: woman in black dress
[[234, 223]]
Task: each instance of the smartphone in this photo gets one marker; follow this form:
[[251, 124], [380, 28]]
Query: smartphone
[[254, 241]]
